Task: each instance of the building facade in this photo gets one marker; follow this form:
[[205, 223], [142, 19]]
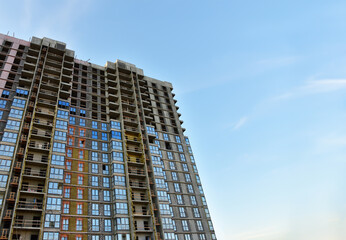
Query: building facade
[[92, 152]]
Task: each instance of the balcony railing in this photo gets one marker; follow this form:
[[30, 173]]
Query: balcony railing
[[32, 188], [44, 146], [27, 223], [35, 173], [43, 122], [30, 205]]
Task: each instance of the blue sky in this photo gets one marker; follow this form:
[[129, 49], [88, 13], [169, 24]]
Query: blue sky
[[261, 87]]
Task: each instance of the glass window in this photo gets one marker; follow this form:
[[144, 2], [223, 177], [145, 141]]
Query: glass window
[[177, 139], [52, 221], [95, 194], [61, 124], [81, 122], [94, 134], [108, 225], [58, 135], [5, 165], [115, 125], [120, 194], [50, 236], [9, 137], [185, 225], [104, 126], [20, 103], [13, 125], [95, 224], [59, 147], [79, 225], [66, 207], [62, 114], [180, 148], [117, 156], [95, 209], [165, 137], [122, 223], [107, 210], [94, 124], [56, 173], [72, 120], [94, 145], [3, 180], [65, 224], [116, 135], [117, 145], [3, 103]]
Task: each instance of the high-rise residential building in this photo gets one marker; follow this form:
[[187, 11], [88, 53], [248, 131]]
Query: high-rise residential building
[[92, 152]]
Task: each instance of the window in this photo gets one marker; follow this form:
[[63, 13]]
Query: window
[[187, 177], [81, 143], [94, 181], [118, 168], [60, 124], [104, 126], [198, 179], [69, 152], [156, 160], [78, 237], [79, 225], [199, 225], [82, 113], [187, 237], [185, 168], [6, 150], [105, 147], [177, 187], [58, 135], [107, 210], [164, 209], [81, 154], [94, 124], [177, 139], [94, 145], [117, 156], [5, 165], [94, 156], [119, 180], [189, 149], [95, 194], [201, 236], [165, 137], [79, 193], [167, 223], [122, 223], [106, 182], [20, 103], [117, 145], [95, 224], [104, 136], [106, 196], [67, 192], [196, 213], [190, 188], [192, 159], [94, 134], [108, 225], [120, 194], [115, 125], [170, 155], [207, 214], [71, 130], [151, 130], [200, 190], [63, 104], [1, 114], [179, 199], [211, 228], [65, 224], [195, 168], [80, 179], [5, 94], [180, 148], [94, 168], [52, 221], [22, 92], [82, 132], [160, 183], [66, 207], [158, 171], [182, 157], [95, 209], [193, 200], [50, 236], [68, 165], [81, 122], [13, 125], [62, 114], [3, 103], [72, 120], [9, 137], [67, 178], [185, 225], [162, 195], [105, 157], [59, 147], [121, 208], [56, 173], [154, 149], [182, 212], [3, 180], [116, 135], [54, 188]]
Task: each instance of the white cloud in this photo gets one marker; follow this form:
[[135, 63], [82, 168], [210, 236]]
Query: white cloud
[[240, 123], [315, 87]]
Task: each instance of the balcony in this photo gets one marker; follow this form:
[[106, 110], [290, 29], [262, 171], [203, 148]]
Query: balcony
[[45, 112], [4, 234], [136, 172], [25, 81], [46, 102], [143, 229], [39, 146], [41, 134], [37, 161], [136, 197], [132, 129], [35, 173], [11, 197], [28, 224], [31, 206], [42, 122], [32, 189], [131, 121], [8, 215]]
